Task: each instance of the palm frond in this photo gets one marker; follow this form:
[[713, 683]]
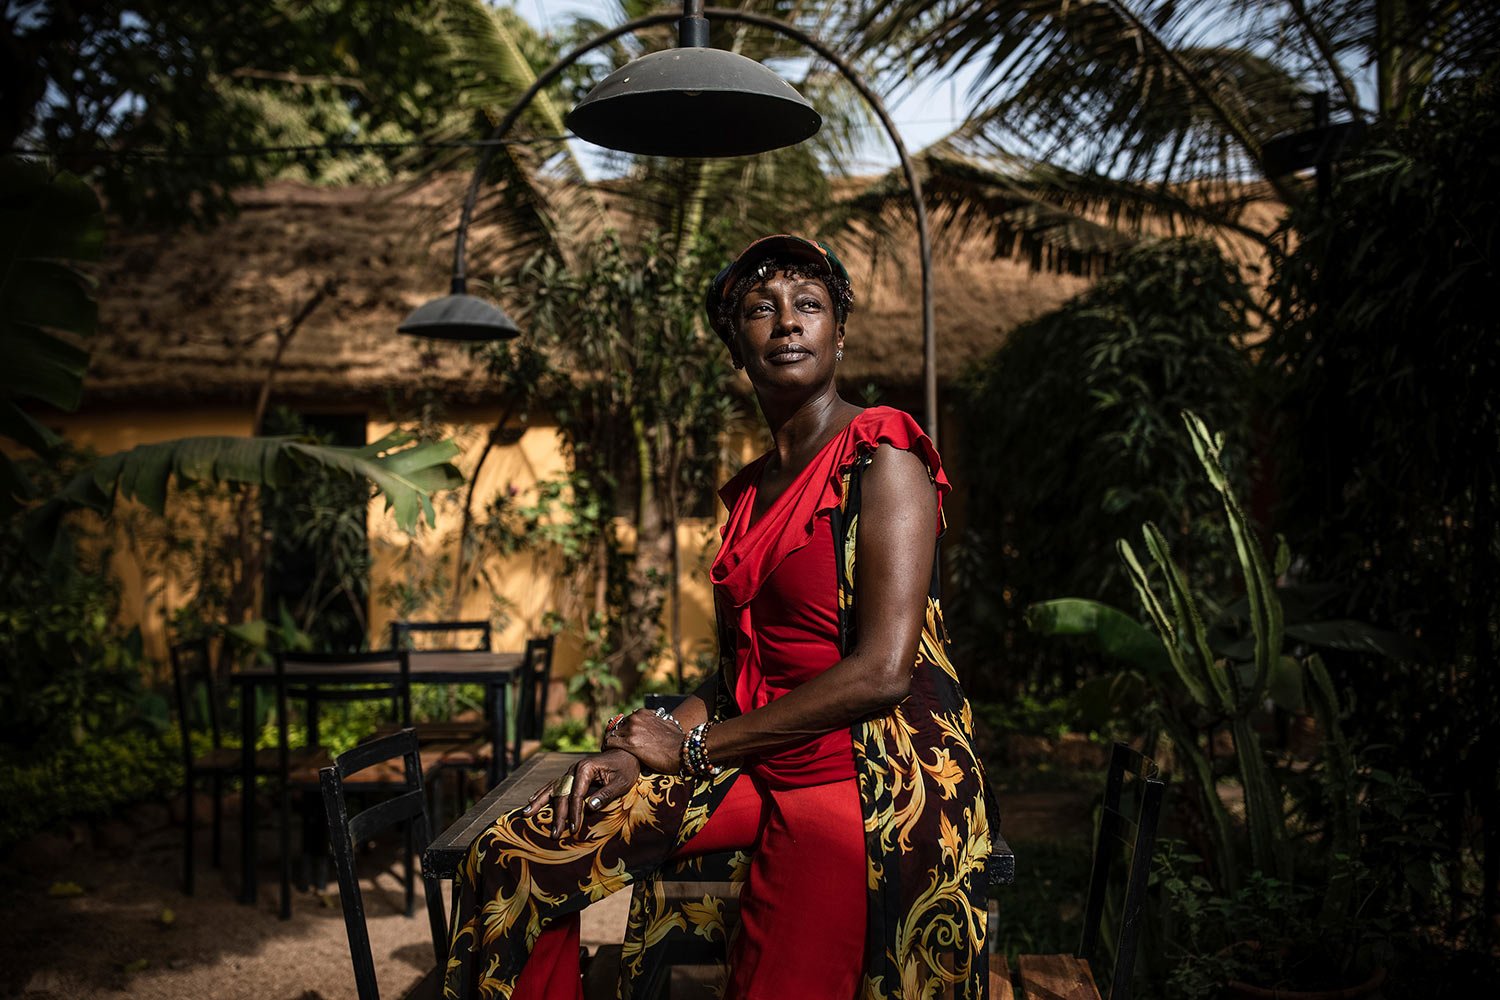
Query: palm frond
[[1052, 217], [536, 196], [1133, 88]]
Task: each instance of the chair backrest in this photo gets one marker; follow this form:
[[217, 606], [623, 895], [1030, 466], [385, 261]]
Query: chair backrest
[[192, 673], [344, 831], [1135, 838], [377, 676], [536, 678], [404, 633]]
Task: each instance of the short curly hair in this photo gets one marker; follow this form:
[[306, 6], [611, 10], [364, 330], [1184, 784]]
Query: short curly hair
[[839, 289]]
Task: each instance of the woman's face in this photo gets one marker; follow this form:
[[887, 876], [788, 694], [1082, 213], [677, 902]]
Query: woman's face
[[787, 332]]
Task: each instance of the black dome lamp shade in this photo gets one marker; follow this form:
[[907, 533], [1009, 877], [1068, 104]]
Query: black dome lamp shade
[[694, 101], [691, 101], [460, 316]]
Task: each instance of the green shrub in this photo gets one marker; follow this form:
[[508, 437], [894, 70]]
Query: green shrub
[[1071, 439], [1382, 367], [88, 781], [1028, 713], [68, 672]]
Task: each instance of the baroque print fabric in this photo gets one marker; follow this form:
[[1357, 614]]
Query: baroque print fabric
[[926, 829]]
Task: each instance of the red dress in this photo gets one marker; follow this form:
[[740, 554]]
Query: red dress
[[777, 578], [802, 910]]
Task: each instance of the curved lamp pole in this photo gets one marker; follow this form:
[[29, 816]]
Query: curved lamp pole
[[694, 12]]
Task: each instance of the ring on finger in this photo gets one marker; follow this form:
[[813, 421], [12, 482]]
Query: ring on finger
[[594, 802], [564, 787]]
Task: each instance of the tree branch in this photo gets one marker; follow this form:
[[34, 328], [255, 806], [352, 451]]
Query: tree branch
[[283, 338]]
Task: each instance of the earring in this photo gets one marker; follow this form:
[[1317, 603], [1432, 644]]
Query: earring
[[838, 355]]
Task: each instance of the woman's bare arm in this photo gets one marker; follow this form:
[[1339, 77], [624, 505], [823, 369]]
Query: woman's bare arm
[[896, 542]]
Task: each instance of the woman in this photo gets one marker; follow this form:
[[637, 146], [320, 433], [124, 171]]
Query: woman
[[831, 755]]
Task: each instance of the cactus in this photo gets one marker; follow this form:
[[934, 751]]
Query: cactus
[[1223, 686]]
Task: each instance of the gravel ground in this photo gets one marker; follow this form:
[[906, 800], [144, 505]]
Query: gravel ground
[[129, 931], [124, 928]]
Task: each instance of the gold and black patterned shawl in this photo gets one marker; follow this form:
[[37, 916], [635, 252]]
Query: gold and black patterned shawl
[[927, 836]]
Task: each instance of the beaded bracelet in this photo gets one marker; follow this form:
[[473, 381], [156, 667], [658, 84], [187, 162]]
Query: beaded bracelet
[[695, 762], [662, 713]]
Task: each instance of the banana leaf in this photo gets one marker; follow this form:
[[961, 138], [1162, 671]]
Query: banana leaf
[[406, 473], [47, 222], [1110, 630]]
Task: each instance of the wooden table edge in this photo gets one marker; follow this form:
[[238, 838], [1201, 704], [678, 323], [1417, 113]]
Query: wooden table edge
[[440, 859]]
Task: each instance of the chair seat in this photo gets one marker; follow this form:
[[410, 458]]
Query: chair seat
[[473, 754], [1000, 985], [224, 760], [389, 772], [1055, 977]]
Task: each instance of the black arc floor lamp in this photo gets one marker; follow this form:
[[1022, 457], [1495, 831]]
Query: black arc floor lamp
[[691, 101]]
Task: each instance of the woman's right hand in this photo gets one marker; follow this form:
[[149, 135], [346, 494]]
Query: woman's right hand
[[599, 779]]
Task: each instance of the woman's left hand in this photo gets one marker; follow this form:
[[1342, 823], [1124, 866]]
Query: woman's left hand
[[603, 777], [651, 739]]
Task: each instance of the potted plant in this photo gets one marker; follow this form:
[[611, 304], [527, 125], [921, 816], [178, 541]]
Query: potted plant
[[1274, 905]]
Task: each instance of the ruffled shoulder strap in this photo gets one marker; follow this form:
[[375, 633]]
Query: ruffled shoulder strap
[[752, 552], [874, 427], [730, 492]]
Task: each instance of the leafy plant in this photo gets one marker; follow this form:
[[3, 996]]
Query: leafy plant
[[87, 781], [52, 225], [1202, 680], [639, 391], [1380, 367], [70, 672], [1070, 442]]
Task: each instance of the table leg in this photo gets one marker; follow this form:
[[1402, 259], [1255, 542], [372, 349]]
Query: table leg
[[439, 933], [247, 793], [500, 761]]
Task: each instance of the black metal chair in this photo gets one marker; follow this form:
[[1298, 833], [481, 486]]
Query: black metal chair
[[1119, 838], [403, 638], [383, 677], [529, 721], [531, 706], [194, 686], [375, 764], [403, 634]]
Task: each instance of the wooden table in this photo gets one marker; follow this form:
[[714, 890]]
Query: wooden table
[[442, 857], [494, 670], [448, 848]]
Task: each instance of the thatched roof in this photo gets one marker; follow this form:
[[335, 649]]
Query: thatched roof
[[191, 314], [194, 314]]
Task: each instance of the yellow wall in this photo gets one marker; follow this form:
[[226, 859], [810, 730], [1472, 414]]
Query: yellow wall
[[526, 586], [147, 592]]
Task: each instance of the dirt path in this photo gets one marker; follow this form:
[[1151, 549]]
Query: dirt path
[[113, 940], [132, 933]]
